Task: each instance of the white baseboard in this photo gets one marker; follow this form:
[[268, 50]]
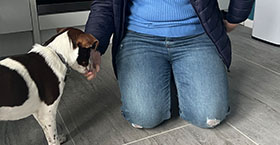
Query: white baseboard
[[248, 23]]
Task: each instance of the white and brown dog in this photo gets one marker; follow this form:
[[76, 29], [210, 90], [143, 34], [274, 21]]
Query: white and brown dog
[[32, 83]]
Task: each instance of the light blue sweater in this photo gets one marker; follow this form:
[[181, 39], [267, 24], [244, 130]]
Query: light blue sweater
[[167, 18]]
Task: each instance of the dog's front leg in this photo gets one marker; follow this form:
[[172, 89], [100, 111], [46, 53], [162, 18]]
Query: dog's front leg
[[46, 117]]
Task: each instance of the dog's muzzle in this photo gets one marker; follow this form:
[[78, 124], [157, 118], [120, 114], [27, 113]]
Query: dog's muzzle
[[84, 55]]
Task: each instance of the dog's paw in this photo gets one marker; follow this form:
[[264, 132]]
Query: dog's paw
[[62, 138]]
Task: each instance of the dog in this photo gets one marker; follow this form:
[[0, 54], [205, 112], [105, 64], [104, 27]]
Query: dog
[[33, 83]]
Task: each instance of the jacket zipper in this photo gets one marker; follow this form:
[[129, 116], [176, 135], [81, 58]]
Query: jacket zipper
[[124, 18]]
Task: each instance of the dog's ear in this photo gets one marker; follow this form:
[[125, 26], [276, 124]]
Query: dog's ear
[[87, 41], [58, 30]]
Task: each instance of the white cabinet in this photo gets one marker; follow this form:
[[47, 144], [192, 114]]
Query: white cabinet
[[267, 21], [14, 16]]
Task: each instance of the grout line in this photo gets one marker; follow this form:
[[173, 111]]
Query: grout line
[[66, 128], [242, 133], [259, 65], [273, 71], [164, 132]]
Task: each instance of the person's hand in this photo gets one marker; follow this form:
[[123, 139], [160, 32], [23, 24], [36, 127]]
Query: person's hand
[[95, 62], [229, 26]]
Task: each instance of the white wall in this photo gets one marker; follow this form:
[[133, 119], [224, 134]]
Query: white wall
[[223, 4]]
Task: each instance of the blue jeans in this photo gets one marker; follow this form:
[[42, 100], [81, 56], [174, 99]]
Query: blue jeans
[[144, 67]]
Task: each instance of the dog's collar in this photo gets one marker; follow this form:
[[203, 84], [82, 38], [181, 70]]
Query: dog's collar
[[65, 63], [62, 59]]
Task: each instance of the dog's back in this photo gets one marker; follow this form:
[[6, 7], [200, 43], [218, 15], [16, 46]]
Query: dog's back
[[25, 81]]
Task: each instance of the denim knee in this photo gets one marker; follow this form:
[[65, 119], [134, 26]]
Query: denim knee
[[146, 118], [208, 123], [206, 120]]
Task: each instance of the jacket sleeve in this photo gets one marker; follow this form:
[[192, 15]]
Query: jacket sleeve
[[239, 10], [100, 22]]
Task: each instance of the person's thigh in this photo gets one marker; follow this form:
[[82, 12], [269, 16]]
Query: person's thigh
[[201, 81], [143, 73]]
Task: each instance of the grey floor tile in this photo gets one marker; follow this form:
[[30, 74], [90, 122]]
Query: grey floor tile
[[255, 100], [256, 82], [255, 50], [255, 119], [25, 132], [190, 135], [22, 132]]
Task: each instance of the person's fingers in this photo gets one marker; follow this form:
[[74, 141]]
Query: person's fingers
[[90, 76], [229, 26], [97, 68], [94, 67]]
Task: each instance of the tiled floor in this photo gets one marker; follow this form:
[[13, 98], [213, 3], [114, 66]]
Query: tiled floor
[[89, 111]]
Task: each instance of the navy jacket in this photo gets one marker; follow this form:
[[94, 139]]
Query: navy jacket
[[109, 16]]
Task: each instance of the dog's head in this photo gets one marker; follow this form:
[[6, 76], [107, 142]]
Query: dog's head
[[79, 45]]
